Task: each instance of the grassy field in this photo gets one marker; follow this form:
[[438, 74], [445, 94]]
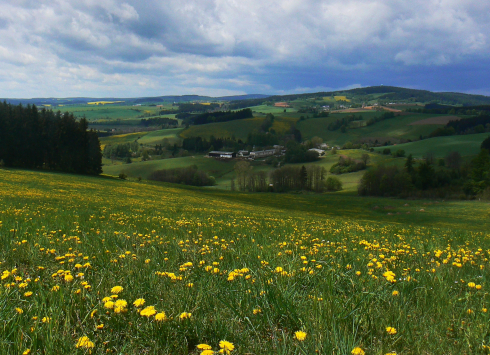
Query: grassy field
[[108, 266], [466, 145], [214, 167], [395, 129]]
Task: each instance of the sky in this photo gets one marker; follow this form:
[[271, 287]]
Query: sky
[[108, 48]]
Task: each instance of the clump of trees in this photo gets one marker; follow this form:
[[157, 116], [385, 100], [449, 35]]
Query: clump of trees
[[288, 178], [222, 116], [42, 139], [187, 176], [478, 124], [158, 121], [348, 165], [448, 177]]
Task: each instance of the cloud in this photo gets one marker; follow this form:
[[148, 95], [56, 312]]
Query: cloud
[[238, 44]]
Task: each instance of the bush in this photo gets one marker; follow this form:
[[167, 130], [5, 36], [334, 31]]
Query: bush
[[122, 176], [333, 183]]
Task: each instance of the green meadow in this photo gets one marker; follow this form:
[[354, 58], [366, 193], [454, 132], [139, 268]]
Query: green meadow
[[100, 265]]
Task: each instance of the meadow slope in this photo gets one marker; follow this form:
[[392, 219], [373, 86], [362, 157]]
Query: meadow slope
[[109, 266]]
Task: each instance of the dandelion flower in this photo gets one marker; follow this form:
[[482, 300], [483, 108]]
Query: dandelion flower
[[204, 347], [300, 335], [207, 352], [28, 294], [117, 289], [139, 302], [46, 320], [19, 310], [160, 316], [226, 346], [84, 342], [395, 293], [357, 351], [391, 330], [471, 284], [26, 352], [148, 311], [185, 315], [109, 305], [100, 326]]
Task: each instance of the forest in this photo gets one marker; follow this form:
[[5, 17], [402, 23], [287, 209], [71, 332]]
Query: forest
[[43, 139]]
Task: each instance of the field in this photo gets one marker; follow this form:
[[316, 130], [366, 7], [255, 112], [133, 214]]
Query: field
[[106, 266], [391, 129], [142, 169], [466, 145]]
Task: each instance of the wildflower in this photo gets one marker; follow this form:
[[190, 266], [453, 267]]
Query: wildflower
[[46, 320], [357, 351], [109, 305], [207, 352], [391, 330], [55, 288], [395, 293], [257, 311], [28, 294], [19, 310], [478, 287], [300, 335], [148, 311], [160, 316], [185, 315], [100, 326], [92, 314], [139, 302], [226, 347], [68, 278], [84, 342], [106, 299], [26, 352], [117, 289], [471, 284], [204, 347]]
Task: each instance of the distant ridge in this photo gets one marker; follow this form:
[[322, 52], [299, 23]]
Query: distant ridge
[[387, 93], [134, 100]]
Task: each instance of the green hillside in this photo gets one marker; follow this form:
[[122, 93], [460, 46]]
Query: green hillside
[[466, 145]]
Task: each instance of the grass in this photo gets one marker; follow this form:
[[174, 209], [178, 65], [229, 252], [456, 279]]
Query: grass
[[214, 167], [394, 129], [466, 145], [237, 128], [251, 269]]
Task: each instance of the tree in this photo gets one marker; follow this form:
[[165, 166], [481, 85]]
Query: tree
[[409, 165], [303, 177], [486, 144]]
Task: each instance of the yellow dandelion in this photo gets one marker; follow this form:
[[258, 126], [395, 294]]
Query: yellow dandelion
[[84, 342], [226, 346], [357, 351], [185, 315], [391, 330], [300, 335], [28, 294], [109, 305], [148, 311], [139, 302], [160, 316], [204, 347], [19, 310], [117, 289]]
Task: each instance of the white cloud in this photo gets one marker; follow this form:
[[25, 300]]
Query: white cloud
[[228, 42]]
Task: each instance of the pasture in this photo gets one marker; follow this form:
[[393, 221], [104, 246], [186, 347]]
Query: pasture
[[108, 266], [466, 145]]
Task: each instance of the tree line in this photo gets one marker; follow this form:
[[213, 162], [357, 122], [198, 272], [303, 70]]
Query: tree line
[[287, 178], [448, 177], [43, 139], [187, 176]]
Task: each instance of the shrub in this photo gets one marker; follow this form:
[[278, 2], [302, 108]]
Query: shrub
[[122, 176], [333, 183]]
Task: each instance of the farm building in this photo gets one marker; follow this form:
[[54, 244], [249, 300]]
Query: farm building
[[262, 153], [243, 153], [223, 155], [319, 151]]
